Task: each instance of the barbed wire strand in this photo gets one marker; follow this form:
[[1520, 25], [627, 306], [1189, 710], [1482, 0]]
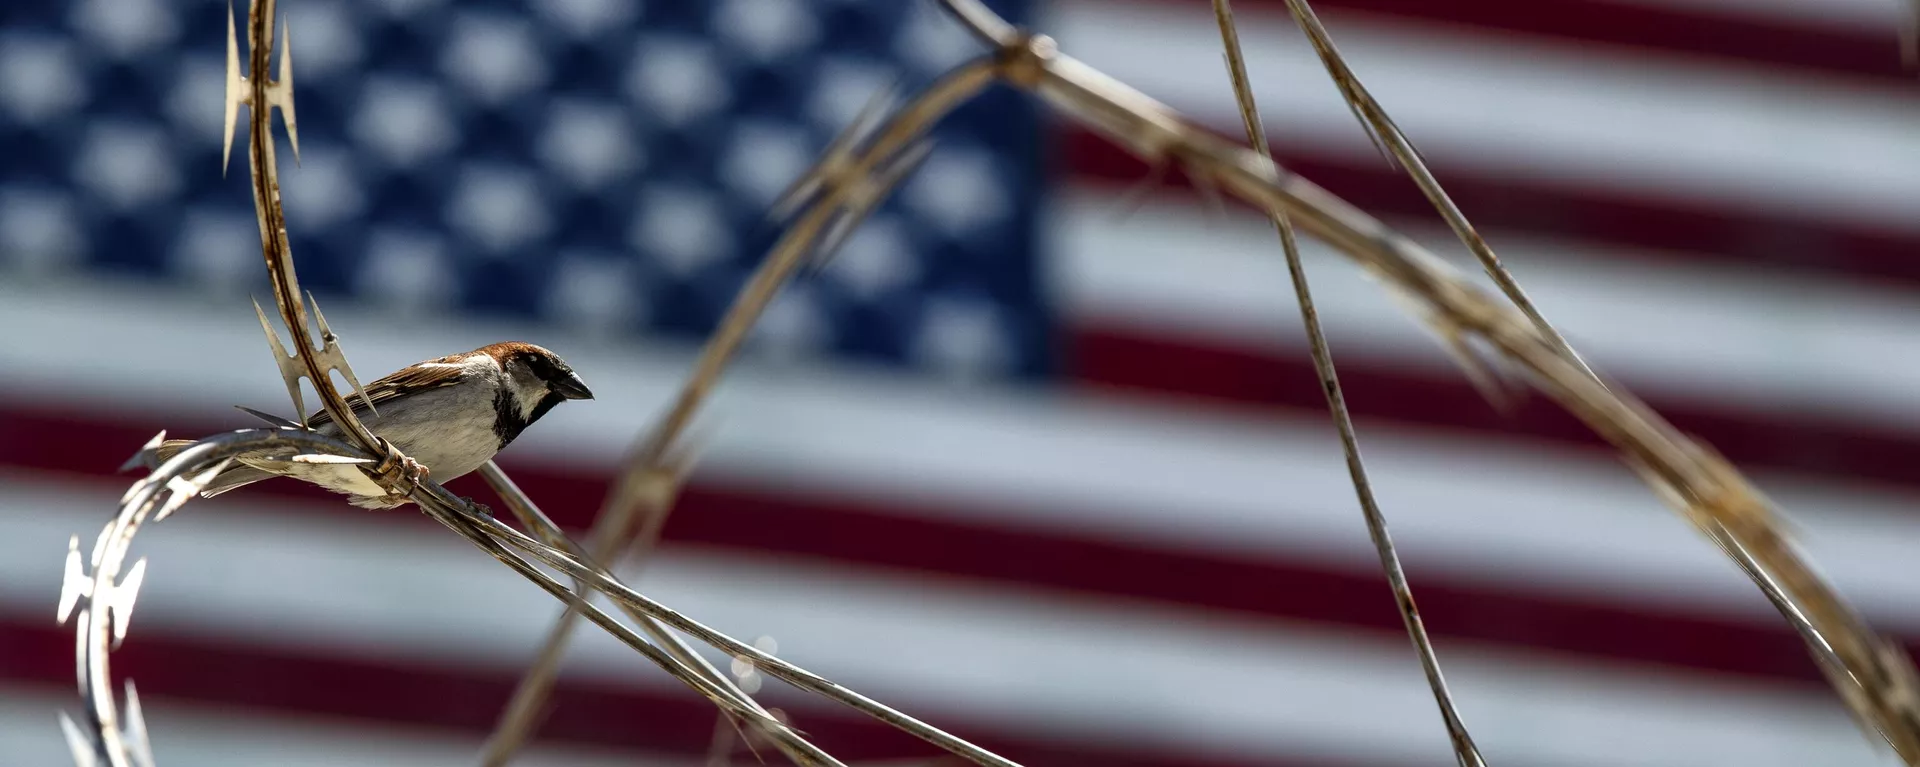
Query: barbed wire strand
[[1396, 142], [483, 531], [839, 190], [523, 508], [523, 712], [1463, 747], [492, 531]]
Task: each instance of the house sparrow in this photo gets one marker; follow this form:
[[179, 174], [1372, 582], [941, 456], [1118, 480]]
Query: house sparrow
[[450, 415]]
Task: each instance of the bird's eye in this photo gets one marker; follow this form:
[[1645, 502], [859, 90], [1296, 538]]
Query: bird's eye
[[540, 366]]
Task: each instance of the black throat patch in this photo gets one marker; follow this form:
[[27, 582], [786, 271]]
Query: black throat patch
[[507, 423]]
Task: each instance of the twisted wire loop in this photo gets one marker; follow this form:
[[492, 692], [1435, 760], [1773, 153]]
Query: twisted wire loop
[[1875, 679], [101, 603]]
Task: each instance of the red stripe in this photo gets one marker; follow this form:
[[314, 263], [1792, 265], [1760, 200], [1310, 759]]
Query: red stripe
[[467, 701], [1743, 39], [870, 534], [1693, 230], [1136, 362]]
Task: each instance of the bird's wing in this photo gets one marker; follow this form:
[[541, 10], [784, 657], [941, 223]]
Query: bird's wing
[[432, 374]]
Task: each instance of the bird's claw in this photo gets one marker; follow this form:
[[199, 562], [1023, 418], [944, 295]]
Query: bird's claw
[[401, 472], [412, 472]]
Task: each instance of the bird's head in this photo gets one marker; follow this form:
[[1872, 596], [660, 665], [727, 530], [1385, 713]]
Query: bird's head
[[535, 379]]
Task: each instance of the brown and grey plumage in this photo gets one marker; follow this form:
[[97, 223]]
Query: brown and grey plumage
[[449, 414]]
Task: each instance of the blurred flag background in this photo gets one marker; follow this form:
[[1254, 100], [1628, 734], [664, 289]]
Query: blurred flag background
[[1039, 456]]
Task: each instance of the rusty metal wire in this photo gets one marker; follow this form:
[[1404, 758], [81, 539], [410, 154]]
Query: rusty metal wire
[[1874, 678], [1464, 750], [500, 750]]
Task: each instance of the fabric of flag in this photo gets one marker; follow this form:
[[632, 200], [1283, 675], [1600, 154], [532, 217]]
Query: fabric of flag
[[599, 164], [1038, 456]]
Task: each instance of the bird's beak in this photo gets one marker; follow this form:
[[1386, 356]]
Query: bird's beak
[[571, 387]]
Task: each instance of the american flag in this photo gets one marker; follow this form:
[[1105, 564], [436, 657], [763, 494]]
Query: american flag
[[1037, 457]]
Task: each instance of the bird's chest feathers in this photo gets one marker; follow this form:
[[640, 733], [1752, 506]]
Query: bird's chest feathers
[[450, 430]]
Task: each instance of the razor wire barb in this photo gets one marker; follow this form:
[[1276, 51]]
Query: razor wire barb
[[1874, 678]]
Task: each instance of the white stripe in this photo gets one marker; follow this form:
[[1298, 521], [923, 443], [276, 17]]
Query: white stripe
[[1129, 675], [1716, 337], [203, 736], [1477, 510], [1803, 145]]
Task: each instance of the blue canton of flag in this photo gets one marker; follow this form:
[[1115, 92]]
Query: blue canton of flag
[[606, 165]]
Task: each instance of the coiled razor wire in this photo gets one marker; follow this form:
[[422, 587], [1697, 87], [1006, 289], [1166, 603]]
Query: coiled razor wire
[[1874, 678]]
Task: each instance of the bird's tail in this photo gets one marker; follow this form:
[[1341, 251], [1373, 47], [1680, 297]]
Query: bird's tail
[[236, 476]]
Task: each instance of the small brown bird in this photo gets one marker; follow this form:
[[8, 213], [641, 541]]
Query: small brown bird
[[450, 415]]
